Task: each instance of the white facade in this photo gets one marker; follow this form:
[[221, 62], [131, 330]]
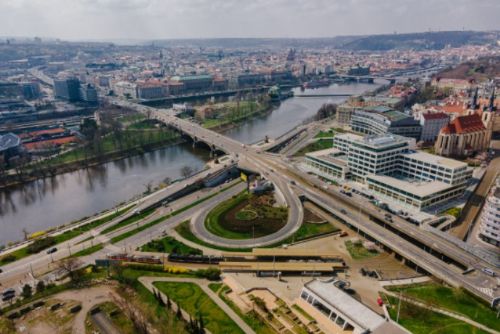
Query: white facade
[[390, 168], [431, 125], [489, 230]]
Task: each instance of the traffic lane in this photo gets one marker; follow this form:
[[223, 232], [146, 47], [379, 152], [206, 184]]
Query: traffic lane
[[410, 251], [294, 221]]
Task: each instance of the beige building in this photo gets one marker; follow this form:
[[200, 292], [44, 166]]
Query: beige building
[[464, 136]]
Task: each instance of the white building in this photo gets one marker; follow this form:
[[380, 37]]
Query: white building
[[337, 312], [489, 230], [389, 167]]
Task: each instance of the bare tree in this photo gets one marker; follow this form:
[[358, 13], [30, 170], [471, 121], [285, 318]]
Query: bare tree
[[70, 266], [186, 171], [137, 319]]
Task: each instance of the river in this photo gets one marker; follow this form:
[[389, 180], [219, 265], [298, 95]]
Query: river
[[51, 202]]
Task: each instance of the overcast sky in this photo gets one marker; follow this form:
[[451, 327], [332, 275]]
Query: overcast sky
[[156, 19]]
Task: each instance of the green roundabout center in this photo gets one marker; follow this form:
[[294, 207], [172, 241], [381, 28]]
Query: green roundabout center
[[246, 216]]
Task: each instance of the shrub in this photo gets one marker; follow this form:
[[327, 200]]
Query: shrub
[[41, 244]]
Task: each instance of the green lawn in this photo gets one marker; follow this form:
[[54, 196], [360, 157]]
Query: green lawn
[[235, 217], [358, 252], [456, 300], [455, 212], [308, 231], [88, 251], [325, 134], [232, 113], [196, 302], [215, 287], [128, 221], [126, 140], [422, 321], [318, 145], [169, 245]]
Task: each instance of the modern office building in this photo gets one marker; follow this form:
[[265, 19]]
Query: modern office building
[[88, 93], [67, 89], [432, 123], [390, 167], [338, 312], [489, 228], [382, 120]]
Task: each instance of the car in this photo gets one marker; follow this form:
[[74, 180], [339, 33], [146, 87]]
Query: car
[[292, 182], [1, 271], [8, 292], [343, 211], [489, 272], [52, 250]]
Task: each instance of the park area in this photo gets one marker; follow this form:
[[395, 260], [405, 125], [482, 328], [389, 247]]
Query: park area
[[245, 216]]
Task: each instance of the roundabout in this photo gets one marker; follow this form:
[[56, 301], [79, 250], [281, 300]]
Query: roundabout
[[246, 216]]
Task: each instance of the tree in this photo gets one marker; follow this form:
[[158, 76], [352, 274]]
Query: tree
[[27, 291], [201, 325], [70, 266], [186, 171], [88, 128], [40, 286], [325, 111]]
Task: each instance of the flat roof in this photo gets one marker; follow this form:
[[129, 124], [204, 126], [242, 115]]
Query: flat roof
[[283, 252], [417, 187], [436, 159], [280, 266], [357, 312]]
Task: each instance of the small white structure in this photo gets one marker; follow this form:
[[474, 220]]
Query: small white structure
[[337, 312]]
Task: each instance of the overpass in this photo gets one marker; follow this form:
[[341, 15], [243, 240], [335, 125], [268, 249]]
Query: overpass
[[425, 249]]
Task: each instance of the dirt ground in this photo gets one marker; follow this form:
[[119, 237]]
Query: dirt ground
[[45, 321]]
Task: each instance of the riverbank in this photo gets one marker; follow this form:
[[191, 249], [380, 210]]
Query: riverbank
[[14, 180]]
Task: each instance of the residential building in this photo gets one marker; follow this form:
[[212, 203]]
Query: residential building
[[431, 124], [382, 120], [390, 167], [489, 228], [338, 312], [464, 136], [151, 90], [125, 89]]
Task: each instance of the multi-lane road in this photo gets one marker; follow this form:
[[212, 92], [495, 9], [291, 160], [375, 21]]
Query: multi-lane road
[[289, 183]]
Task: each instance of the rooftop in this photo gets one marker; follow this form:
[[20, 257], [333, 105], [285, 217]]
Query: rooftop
[[357, 312], [464, 124], [436, 159], [416, 187]]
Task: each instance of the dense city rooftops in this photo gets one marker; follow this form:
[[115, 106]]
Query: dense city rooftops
[[464, 124]]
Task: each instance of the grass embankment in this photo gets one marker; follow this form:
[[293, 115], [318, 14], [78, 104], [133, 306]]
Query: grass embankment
[[321, 144], [169, 245], [51, 241], [419, 320], [358, 252], [128, 221], [455, 300], [310, 230], [234, 112], [251, 318], [191, 298], [325, 134], [88, 251], [245, 216], [161, 219]]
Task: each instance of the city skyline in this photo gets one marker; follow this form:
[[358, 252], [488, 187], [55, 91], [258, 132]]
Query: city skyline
[[152, 19]]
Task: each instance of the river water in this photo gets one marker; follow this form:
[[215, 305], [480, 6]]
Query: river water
[[51, 202]]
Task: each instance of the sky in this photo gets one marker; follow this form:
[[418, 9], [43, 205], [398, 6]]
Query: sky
[[165, 19]]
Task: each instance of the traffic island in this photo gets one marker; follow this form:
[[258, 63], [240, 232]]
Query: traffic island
[[246, 216]]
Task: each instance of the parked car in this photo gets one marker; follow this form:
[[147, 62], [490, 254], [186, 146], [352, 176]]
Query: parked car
[[489, 271], [52, 250]]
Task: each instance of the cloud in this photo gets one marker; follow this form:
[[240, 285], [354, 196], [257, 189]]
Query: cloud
[[152, 19]]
